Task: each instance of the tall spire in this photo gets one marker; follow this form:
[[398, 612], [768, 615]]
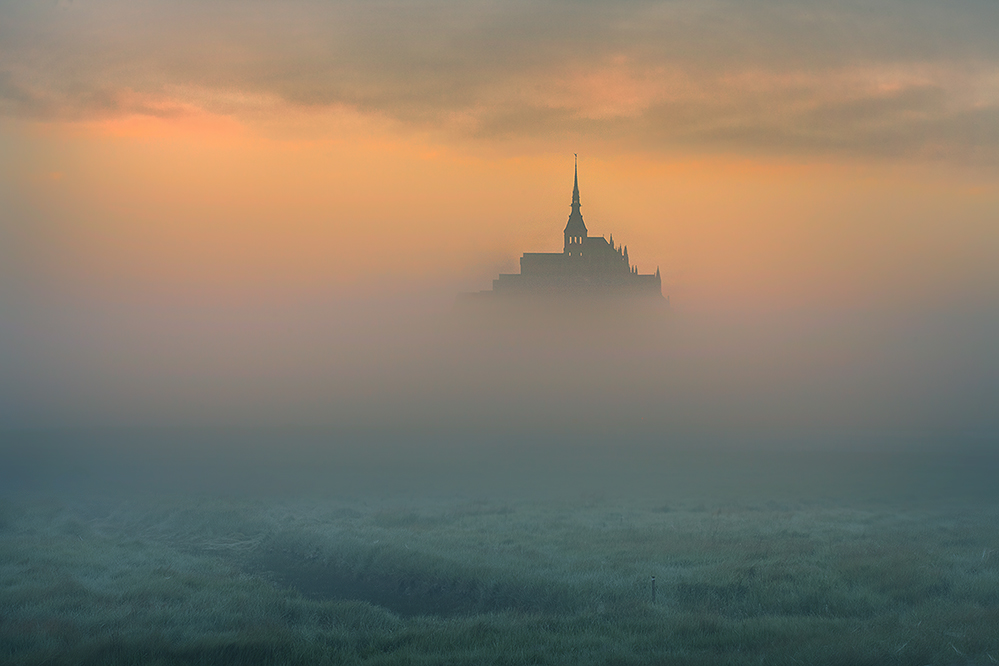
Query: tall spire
[[575, 182], [575, 230]]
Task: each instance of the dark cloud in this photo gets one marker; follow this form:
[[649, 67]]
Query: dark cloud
[[889, 78]]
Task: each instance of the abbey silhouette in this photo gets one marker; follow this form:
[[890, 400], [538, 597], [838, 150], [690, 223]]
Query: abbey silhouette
[[586, 266]]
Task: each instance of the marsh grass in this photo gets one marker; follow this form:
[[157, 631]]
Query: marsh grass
[[334, 582]]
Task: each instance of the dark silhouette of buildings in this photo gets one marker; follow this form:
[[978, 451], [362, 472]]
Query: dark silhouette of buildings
[[586, 266]]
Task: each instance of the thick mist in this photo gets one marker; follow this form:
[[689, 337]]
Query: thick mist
[[419, 361], [418, 394], [250, 411]]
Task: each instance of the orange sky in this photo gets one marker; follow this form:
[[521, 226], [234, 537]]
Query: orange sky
[[757, 155], [203, 203], [190, 192]]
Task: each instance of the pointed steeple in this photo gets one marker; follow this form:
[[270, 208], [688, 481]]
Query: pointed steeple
[[575, 230], [575, 182]]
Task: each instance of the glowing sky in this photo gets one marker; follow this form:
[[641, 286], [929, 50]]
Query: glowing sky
[[767, 156]]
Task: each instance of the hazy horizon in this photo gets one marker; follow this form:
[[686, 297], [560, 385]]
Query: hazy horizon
[[239, 215], [245, 418]]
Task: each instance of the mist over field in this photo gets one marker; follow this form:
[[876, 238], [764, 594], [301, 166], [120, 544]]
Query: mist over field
[[409, 395], [246, 418]]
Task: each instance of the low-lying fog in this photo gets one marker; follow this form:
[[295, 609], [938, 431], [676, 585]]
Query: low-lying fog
[[410, 394]]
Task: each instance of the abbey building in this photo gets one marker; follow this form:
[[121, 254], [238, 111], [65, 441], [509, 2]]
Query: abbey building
[[586, 266]]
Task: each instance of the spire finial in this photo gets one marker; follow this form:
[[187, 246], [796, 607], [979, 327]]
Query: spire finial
[[575, 180]]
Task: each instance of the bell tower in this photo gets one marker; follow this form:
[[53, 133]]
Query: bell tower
[[575, 230]]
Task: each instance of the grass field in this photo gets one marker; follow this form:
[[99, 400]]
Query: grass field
[[457, 581]]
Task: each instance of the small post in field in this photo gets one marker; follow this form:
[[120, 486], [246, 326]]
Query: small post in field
[[653, 589]]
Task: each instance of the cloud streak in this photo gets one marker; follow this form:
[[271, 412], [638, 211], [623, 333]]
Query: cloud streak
[[889, 79]]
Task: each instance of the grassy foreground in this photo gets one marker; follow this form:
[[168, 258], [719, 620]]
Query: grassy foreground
[[462, 582]]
